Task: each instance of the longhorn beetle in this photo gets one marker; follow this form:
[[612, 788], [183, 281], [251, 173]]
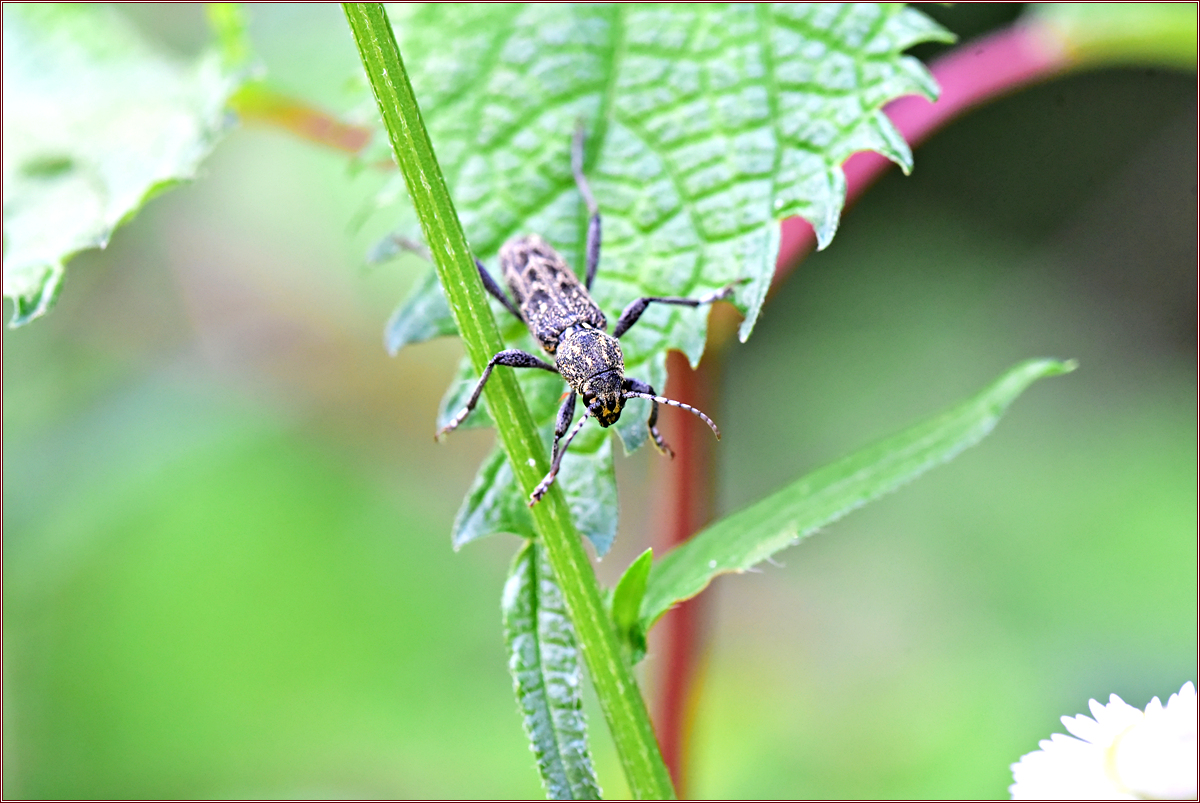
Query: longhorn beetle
[[569, 325]]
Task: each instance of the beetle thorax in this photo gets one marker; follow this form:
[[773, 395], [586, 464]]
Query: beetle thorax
[[593, 365]]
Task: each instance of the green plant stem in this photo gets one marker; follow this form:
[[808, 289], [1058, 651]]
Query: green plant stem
[[618, 693]]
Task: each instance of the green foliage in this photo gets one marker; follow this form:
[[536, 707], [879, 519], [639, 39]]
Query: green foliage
[[96, 122], [544, 662], [156, 609], [622, 704], [742, 540], [495, 504], [627, 605], [1151, 34], [706, 125]]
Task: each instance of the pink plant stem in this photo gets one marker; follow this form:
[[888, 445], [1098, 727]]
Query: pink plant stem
[[969, 76], [686, 485]]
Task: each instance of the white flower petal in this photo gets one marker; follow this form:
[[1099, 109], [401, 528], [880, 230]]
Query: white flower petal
[[1158, 758], [1122, 754]]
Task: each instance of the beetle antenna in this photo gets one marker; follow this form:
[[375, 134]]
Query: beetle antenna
[[548, 480], [629, 394]]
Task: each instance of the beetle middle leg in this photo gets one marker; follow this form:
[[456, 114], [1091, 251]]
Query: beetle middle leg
[[513, 358], [634, 311]]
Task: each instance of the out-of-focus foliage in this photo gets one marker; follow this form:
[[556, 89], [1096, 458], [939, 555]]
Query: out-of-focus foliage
[[1138, 34], [741, 541], [96, 122]]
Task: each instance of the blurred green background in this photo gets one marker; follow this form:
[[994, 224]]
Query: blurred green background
[[226, 524]]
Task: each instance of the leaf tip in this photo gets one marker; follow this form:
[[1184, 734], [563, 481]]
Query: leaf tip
[[1049, 366], [825, 229], [31, 303]]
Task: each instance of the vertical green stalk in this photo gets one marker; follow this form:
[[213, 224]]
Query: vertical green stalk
[[620, 699]]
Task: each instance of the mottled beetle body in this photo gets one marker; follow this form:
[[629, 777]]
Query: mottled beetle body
[[564, 319], [561, 315], [550, 298]]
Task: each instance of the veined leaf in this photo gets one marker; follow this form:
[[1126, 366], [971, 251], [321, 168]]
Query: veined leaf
[[544, 662], [495, 504], [706, 124], [748, 537], [96, 122]]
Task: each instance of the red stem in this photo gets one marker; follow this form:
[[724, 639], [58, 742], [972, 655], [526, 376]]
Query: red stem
[[257, 103], [969, 76], [686, 486]]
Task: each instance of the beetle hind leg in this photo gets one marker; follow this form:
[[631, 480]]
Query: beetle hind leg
[[490, 284], [593, 232]]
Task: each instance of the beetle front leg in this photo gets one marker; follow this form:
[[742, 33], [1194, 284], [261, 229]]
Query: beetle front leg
[[513, 358], [566, 414], [638, 386], [548, 480]]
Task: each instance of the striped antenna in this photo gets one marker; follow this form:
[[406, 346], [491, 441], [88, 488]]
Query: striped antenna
[[548, 480], [629, 394]]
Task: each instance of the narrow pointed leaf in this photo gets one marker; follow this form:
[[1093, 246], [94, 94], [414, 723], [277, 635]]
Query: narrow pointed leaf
[[544, 662], [750, 536], [627, 603]]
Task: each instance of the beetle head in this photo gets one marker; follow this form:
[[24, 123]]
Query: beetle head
[[603, 397]]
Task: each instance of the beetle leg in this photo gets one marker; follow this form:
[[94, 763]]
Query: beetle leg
[[593, 232], [566, 414], [492, 287], [513, 358], [638, 386], [548, 480], [634, 311], [489, 284]]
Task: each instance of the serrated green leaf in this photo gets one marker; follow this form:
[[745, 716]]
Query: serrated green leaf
[[491, 505], [706, 124], [495, 504], [627, 604], [424, 315], [544, 662], [96, 122], [748, 537]]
